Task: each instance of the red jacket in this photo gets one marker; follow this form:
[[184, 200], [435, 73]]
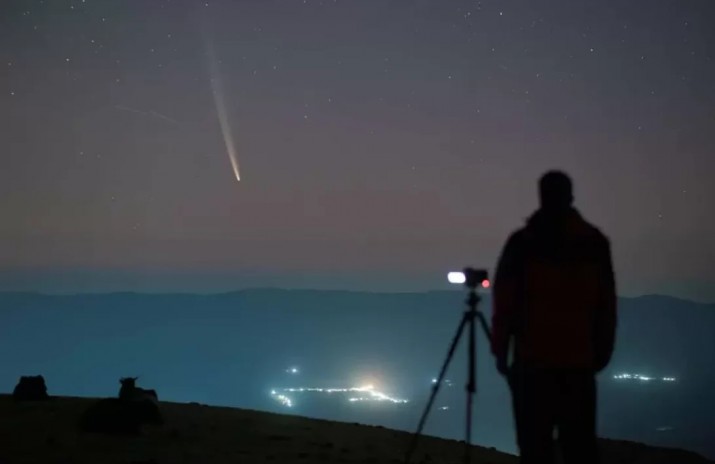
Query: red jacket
[[554, 294]]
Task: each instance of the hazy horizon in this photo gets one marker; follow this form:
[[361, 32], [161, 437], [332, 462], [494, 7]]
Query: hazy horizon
[[109, 281]]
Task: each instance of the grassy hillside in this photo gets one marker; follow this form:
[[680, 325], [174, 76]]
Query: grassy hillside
[[45, 432]]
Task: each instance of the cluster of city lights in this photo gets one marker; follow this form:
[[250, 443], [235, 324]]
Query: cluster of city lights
[[282, 399], [367, 393], [643, 378]]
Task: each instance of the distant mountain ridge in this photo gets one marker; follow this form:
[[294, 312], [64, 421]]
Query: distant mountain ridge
[[648, 296]]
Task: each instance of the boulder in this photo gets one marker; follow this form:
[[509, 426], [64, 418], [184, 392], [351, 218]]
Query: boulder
[[30, 388], [126, 414], [120, 416]]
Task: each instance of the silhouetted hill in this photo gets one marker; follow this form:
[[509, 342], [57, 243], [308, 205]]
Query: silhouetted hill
[[42, 432], [232, 349]]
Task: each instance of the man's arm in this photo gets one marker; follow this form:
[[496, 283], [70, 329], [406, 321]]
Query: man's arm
[[505, 299], [606, 311]]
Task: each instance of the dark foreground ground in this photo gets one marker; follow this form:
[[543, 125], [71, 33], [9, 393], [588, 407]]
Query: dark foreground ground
[[45, 432]]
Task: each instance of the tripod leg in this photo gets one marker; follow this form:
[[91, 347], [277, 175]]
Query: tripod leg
[[471, 388], [435, 388], [485, 326]]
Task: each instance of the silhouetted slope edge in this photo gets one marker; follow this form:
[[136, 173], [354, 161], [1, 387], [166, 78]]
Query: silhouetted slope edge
[[41, 432]]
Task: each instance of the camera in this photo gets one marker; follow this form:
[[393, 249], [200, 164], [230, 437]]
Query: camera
[[470, 277]]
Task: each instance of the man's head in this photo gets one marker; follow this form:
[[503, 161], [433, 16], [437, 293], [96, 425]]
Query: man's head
[[555, 191]]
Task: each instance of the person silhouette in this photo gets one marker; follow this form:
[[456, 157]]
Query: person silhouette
[[554, 311]]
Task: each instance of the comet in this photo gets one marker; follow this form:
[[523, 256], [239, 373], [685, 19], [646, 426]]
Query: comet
[[220, 104]]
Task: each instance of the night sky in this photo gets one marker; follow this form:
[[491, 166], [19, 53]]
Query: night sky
[[380, 142]]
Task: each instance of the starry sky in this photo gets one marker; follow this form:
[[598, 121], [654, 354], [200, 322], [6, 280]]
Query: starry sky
[[381, 143]]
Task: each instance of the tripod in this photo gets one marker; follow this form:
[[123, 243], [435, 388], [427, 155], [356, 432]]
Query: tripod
[[469, 321]]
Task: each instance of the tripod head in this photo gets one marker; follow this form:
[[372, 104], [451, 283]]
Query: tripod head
[[470, 277]]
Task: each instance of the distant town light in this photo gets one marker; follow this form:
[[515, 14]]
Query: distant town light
[[372, 394], [642, 378], [282, 399]]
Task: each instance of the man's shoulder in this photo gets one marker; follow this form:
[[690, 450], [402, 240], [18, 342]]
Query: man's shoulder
[[575, 227], [594, 233], [518, 236]]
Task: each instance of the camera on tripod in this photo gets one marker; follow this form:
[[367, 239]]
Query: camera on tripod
[[470, 277]]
